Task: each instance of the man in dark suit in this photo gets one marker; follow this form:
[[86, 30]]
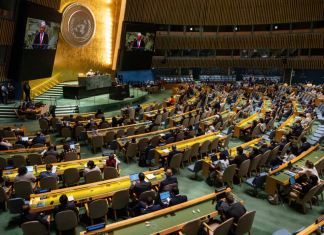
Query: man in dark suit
[[39, 138], [41, 38], [239, 158], [140, 186], [150, 206], [170, 179], [176, 198], [169, 157], [65, 205], [26, 89], [228, 208], [138, 42]]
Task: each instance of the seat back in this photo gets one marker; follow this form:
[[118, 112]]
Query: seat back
[[195, 150], [66, 132], [48, 183], [130, 131], [144, 195], [70, 156], [226, 141], [131, 150], [19, 160], [244, 224], [311, 193], [92, 176], [23, 189], [120, 199], [214, 145], [229, 174], [186, 155], [204, 147], [15, 205], [140, 130], [120, 133], [255, 162], [142, 145], [256, 131], [71, 176], [185, 122], [273, 154], [175, 162], [33, 228], [3, 195], [98, 209], [3, 163], [110, 173], [34, 159], [109, 137], [244, 168], [78, 131], [192, 227], [49, 159], [43, 124], [66, 220], [224, 227], [284, 150], [264, 158], [97, 141], [155, 141]]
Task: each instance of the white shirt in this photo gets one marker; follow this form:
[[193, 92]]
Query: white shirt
[[308, 172]]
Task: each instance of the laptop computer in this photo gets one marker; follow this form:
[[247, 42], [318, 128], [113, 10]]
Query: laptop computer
[[292, 181], [133, 177], [72, 146], [30, 168], [24, 138], [165, 197]]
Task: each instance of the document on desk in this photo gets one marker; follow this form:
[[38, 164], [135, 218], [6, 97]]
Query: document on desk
[[70, 198], [54, 169], [150, 176], [166, 151]]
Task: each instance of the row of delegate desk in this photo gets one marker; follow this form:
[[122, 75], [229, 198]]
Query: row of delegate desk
[[281, 175], [165, 221], [45, 202], [58, 167]]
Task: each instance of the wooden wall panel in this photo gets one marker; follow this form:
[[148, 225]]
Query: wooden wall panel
[[223, 12], [225, 62], [55, 4], [273, 41]]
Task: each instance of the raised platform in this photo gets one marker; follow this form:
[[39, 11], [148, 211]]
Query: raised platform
[[103, 102]]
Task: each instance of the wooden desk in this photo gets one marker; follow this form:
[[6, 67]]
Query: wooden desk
[[152, 114], [87, 192], [182, 145], [207, 162], [165, 221], [312, 228], [280, 177], [246, 123], [13, 140], [241, 101], [266, 106], [176, 119], [226, 115], [115, 129], [8, 153], [60, 167], [285, 128], [122, 141], [298, 108]]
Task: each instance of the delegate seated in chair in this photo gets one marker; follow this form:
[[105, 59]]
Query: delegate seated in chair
[[140, 186], [176, 198], [169, 179], [228, 208], [171, 154], [299, 190], [65, 204], [218, 167], [149, 206]]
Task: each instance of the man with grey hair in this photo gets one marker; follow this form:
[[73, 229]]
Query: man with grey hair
[[139, 42], [41, 38]]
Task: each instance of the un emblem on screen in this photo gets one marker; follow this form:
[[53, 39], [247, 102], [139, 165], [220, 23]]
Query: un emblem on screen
[[78, 25]]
